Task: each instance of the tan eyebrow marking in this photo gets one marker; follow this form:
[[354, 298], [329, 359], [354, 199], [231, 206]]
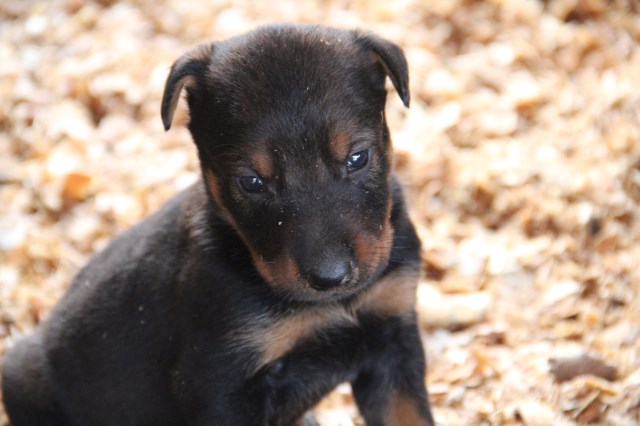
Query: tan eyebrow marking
[[340, 146], [262, 164]]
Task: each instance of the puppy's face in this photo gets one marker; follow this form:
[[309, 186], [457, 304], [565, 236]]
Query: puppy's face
[[289, 125]]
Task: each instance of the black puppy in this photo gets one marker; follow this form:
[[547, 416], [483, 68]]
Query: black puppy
[[290, 268]]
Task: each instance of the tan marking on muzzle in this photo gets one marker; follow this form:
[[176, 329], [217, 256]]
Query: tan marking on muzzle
[[280, 272], [371, 250]]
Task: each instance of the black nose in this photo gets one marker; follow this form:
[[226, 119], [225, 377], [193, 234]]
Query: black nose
[[330, 274]]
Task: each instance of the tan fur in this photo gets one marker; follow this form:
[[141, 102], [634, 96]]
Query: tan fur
[[393, 295], [262, 164], [371, 250], [273, 337], [403, 412], [214, 189], [282, 270], [340, 146], [214, 186]]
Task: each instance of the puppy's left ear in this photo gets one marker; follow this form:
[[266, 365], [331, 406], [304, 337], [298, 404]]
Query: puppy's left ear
[[188, 72], [392, 60]]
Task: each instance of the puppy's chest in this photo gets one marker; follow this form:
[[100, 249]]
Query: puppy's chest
[[271, 336]]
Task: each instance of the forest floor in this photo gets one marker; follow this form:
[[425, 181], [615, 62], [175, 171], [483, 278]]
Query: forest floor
[[520, 154]]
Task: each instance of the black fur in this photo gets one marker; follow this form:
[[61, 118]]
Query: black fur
[[167, 325]]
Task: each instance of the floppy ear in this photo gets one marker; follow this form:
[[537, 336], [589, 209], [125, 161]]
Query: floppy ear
[[186, 72], [392, 60]]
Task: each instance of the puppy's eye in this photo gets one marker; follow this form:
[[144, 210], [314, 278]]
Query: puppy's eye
[[252, 184], [357, 160]]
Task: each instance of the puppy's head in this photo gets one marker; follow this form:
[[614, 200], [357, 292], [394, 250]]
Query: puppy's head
[[294, 149]]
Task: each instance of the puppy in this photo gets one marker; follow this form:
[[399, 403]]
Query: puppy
[[290, 267]]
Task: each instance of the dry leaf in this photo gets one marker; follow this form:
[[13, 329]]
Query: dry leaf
[[451, 310], [564, 369]]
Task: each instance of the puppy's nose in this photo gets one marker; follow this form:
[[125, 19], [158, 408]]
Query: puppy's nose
[[327, 275]]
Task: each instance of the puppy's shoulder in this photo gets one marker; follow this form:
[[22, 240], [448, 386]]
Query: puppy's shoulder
[[140, 259]]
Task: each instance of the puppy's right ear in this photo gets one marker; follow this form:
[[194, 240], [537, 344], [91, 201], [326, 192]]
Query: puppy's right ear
[[188, 72]]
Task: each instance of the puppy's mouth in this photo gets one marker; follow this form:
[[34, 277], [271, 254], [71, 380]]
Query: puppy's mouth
[[331, 283], [334, 271]]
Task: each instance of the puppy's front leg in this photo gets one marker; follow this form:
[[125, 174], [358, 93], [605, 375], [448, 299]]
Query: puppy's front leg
[[224, 407], [214, 391], [390, 389]]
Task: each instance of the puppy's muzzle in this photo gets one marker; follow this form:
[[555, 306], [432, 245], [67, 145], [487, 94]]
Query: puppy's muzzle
[[331, 271]]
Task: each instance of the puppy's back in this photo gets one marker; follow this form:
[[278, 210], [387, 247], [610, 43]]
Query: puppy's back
[[112, 311]]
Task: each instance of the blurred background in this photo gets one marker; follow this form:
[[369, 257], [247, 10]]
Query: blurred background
[[520, 154]]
